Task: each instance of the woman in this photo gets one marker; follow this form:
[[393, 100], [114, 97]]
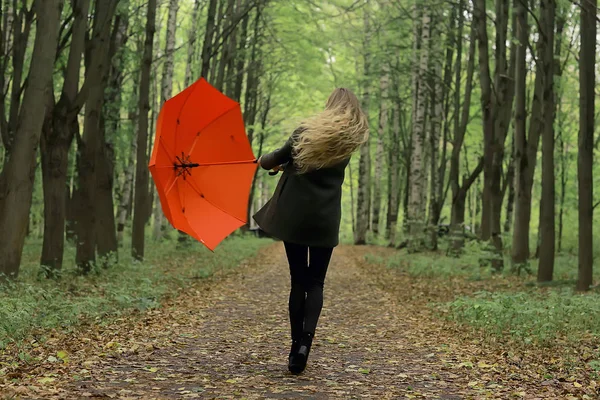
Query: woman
[[305, 209]]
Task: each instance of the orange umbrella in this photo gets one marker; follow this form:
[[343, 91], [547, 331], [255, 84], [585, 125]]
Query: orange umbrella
[[202, 163]]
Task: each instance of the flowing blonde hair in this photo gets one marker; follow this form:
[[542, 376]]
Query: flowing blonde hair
[[332, 135]]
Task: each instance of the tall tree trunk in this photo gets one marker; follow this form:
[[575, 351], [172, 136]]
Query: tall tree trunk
[[585, 157], [564, 153], [509, 184], [379, 158], [207, 47], [252, 81], [526, 148], [418, 178], [191, 50], [217, 48], [141, 175], [21, 26], [496, 111], [437, 109], [90, 144], [57, 137], [16, 178], [241, 59], [225, 48], [106, 232], [547, 216], [166, 92], [394, 177], [363, 201], [461, 119]]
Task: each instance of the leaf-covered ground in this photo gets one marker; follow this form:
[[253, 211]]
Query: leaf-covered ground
[[228, 338]]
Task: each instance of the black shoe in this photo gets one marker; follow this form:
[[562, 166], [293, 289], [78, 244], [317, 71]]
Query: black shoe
[[292, 358], [298, 361]]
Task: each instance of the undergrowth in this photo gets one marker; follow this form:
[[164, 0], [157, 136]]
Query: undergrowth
[[33, 303], [505, 306]]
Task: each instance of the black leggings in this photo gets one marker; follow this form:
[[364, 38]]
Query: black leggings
[[308, 278]]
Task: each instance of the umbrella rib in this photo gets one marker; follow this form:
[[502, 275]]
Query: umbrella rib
[[210, 202], [214, 164], [160, 140], [209, 124]]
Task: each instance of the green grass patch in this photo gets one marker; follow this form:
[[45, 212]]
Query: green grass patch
[[34, 303], [438, 265], [530, 317]]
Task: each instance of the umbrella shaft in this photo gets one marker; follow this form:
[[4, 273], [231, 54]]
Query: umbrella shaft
[[186, 165], [193, 165]]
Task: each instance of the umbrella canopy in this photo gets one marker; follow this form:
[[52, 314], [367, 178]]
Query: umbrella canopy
[[202, 163]]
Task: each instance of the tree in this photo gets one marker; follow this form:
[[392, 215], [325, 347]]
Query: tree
[[547, 215], [363, 205], [141, 174], [57, 136], [461, 119], [418, 172], [166, 92], [496, 107], [16, 178], [379, 158], [587, 83]]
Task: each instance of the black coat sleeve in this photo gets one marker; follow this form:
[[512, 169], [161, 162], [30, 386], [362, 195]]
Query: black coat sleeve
[[277, 157], [282, 155]]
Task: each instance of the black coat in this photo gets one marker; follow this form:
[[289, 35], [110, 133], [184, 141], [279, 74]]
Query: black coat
[[305, 208]]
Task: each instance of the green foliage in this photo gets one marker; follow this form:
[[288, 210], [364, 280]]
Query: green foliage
[[530, 317], [34, 303], [435, 265]]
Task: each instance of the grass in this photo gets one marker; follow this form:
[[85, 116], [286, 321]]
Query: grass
[[504, 305], [530, 316], [33, 303]]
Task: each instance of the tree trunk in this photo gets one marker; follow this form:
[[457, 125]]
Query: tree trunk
[[220, 78], [585, 158], [216, 46], [461, 119], [191, 50], [241, 59], [57, 137], [207, 47], [525, 147], [16, 178], [380, 158], [510, 186], [166, 93], [89, 146], [21, 26], [394, 178], [548, 213], [106, 233], [520, 242], [437, 109], [418, 178], [363, 201], [141, 175]]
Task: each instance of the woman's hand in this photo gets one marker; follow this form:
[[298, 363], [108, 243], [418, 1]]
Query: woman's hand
[[275, 170]]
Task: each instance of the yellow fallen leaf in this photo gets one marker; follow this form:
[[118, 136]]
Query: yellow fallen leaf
[[577, 384], [46, 380]]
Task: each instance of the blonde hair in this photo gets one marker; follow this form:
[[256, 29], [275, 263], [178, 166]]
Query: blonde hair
[[332, 135]]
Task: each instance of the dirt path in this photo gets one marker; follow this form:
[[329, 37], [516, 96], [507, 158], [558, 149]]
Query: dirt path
[[232, 342]]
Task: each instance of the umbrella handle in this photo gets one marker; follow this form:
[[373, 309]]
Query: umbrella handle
[[273, 173]]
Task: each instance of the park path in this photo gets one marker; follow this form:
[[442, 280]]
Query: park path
[[230, 339]]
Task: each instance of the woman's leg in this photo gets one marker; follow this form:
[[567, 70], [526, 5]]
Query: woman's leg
[[317, 269], [298, 259]]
